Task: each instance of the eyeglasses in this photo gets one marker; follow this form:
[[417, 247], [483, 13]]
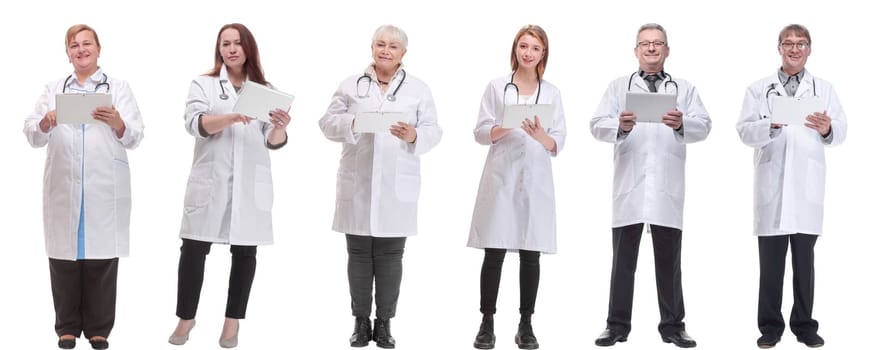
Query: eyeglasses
[[656, 44], [799, 45]]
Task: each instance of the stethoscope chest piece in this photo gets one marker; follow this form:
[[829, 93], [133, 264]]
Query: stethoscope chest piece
[[391, 98]]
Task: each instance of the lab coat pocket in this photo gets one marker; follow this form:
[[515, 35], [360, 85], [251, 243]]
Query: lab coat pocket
[[815, 185], [624, 173], [765, 183], [122, 194], [407, 179], [199, 188], [263, 196]]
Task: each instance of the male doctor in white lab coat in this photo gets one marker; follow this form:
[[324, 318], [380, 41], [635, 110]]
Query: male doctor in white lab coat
[[648, 185], [789, 182]]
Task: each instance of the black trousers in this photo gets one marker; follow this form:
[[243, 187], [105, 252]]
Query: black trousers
[[491, 274], [772, 261], [666, 255], [191, 266], [84, 296], [377, 259]]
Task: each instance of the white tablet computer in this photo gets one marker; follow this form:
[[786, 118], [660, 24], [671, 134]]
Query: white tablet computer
[[515, 114], [77, 108], [650, 107], [256, 100], [794, 110], [377, 121]]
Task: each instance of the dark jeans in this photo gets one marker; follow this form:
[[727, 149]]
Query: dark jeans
[[491, 274], [772, 261], [666, 253], [378, 259], [84, 296], [191, 266]]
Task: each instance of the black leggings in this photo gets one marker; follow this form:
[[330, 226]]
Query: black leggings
[[191, 266], [491, 274]]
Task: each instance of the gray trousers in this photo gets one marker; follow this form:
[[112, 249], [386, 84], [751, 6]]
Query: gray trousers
[[84, 296], [374, 259]]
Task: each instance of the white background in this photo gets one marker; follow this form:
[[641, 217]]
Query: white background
[[300, 298]]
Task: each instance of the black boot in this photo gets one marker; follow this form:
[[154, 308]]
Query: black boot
[[382, 334], [362, 332], [525, 339], [485, 338]]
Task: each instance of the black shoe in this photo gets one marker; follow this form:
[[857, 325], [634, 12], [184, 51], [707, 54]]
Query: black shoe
[[812, 340], [382, 336], [681, 339], [486, 339], [362, 332], [767, 341], [99, 344], [66, 343], [524, 338], [610, 337]]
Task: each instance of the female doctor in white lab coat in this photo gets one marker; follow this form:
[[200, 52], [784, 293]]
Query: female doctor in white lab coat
[[229, 191], [515, 208], [86, 192], [789, 183], [378, 182]]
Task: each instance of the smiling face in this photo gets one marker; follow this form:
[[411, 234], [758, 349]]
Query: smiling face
[[794, 51], [83, 49], [651, 49], [387, 52], [529, 52], [231, 49]]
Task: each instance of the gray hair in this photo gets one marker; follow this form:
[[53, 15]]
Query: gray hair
[[656, 27], [393, 33]]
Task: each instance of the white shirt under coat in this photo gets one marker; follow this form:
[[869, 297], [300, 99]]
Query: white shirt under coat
[[649, 161], [90, 160], [515, 208], [229, 192], [789, 163], [378, 182]]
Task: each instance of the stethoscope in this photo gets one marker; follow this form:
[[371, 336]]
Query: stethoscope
[[773, 88], [103, 82], [517, 89], [223, 94], [664, 84], [390, 97]]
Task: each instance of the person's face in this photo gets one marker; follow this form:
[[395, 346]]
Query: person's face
[[387, 54], [794, 51], [529, 52], [651, 50], [231, 49], [83, 51]]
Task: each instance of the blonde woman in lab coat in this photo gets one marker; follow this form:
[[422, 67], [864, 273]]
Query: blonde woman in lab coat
[[378, 182], [789, 186], [515, 208], [86, 192], [229, 191]]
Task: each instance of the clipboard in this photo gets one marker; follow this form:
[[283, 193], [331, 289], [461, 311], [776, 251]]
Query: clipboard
[[650, 107], [794, 110], [77, 108], [514, 115], [256, 100], [371, 122]]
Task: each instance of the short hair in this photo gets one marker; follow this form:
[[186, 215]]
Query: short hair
[[797, 29], [252, 69], [655, 26], [78, 28], [393, 33], [538, 33]]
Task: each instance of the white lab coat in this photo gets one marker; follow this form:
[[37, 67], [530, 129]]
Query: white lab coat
[[89, 159], [378, 182], [515, 208], [789, 163], [229, 191], [649, 162]]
